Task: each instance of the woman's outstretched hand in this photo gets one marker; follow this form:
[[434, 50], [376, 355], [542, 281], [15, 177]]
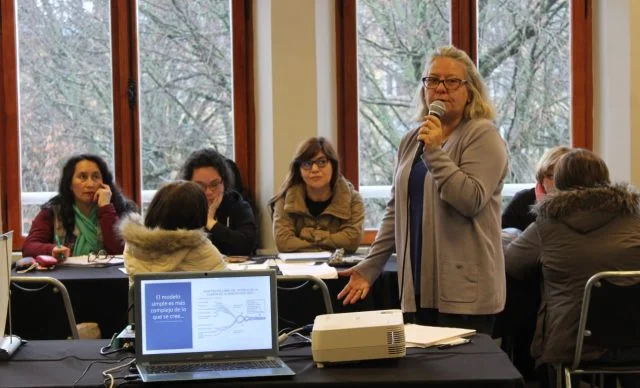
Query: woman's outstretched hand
[[356, 289]]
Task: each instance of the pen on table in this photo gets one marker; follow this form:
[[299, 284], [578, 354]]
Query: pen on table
[[59, 245], [461, 341]]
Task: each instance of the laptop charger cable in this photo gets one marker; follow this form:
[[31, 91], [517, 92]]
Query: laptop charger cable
[[306, 329]]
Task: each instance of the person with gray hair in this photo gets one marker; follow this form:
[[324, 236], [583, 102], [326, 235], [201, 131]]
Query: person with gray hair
[[518, 213], [443, 219]]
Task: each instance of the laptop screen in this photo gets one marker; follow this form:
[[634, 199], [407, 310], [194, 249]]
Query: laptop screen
[[187, 315]]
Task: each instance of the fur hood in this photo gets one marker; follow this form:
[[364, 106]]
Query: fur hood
[[589, 208], [135, 234]]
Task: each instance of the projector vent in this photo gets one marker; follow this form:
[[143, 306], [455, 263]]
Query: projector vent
[[395, 341]]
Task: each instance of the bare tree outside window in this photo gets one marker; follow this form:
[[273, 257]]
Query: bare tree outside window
[[524, 52], [523, 56], [66, 107], [394, 39], [66, 89], [186, 84]]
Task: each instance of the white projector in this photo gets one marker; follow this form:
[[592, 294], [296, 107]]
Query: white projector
[[365, 335]]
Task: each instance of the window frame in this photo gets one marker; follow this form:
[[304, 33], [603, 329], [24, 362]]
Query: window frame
[[126, 120], [463, 35]]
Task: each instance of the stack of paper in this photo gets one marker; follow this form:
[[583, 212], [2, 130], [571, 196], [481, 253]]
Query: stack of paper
[[323, 271], [425, 336], [305, 256]]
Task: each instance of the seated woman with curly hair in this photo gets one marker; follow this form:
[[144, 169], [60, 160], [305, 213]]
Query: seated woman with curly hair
[[82, 217]]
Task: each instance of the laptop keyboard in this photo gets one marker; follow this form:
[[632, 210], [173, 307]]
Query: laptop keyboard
[[213, 366]]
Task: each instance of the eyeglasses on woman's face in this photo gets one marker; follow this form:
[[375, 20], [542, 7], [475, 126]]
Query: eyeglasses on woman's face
[[213, 185], [308, 164], [449, 83]]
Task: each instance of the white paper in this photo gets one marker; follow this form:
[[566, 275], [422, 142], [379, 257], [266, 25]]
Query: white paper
[[424, 336], [323, 271], [82, 261], [323, 255], [246, 266]]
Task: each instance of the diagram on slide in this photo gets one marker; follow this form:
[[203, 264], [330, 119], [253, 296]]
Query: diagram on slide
[[233, 318]]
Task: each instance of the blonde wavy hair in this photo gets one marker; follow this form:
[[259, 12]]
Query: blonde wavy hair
[[479, 106]]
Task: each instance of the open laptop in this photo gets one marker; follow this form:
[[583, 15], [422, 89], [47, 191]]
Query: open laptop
[[207, 325]]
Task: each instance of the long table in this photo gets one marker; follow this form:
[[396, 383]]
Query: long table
[[480, 364], [101, 295], [97, 295]]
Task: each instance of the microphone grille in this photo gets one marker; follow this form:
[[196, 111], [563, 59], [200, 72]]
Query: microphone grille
[[437, 108]]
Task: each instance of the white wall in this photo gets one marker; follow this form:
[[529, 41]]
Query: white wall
[[634, 79], [295, 88], [616, 53]]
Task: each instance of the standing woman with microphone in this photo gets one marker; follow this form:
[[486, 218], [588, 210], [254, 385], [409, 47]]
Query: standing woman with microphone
[[443, 219]]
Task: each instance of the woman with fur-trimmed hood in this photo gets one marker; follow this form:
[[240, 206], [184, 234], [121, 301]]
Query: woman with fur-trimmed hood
[[587, 225], [171, 238]]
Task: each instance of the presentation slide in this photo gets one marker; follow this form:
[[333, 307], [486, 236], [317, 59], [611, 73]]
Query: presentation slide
[[207, 315], [168, 316]]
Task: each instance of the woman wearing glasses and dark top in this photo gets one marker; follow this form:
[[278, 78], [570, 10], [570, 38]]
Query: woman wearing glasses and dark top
[[171, 239], [317, 208], [81, 218], [231, 224], [443, 219]]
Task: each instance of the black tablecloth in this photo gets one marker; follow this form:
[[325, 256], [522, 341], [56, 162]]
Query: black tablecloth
[[97, 295], [101, 295], [481, 363]]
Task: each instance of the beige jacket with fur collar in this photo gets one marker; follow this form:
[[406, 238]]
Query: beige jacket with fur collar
[[159, 250], [340, 225]]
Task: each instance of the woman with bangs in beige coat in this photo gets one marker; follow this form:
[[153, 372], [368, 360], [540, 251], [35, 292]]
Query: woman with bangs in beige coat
[[317, 208]]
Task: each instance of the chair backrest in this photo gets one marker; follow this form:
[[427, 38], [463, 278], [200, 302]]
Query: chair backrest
[[239, 186], [300, 299], [610, 313], [41, 305]]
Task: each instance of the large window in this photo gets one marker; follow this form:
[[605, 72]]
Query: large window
[[531, 54], [185, 83], [65, 102], [140, 83]]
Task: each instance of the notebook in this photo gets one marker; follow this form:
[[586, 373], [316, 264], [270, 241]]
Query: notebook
[[207, 325]]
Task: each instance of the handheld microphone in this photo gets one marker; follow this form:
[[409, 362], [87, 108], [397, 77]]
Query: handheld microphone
[[437, 109]]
